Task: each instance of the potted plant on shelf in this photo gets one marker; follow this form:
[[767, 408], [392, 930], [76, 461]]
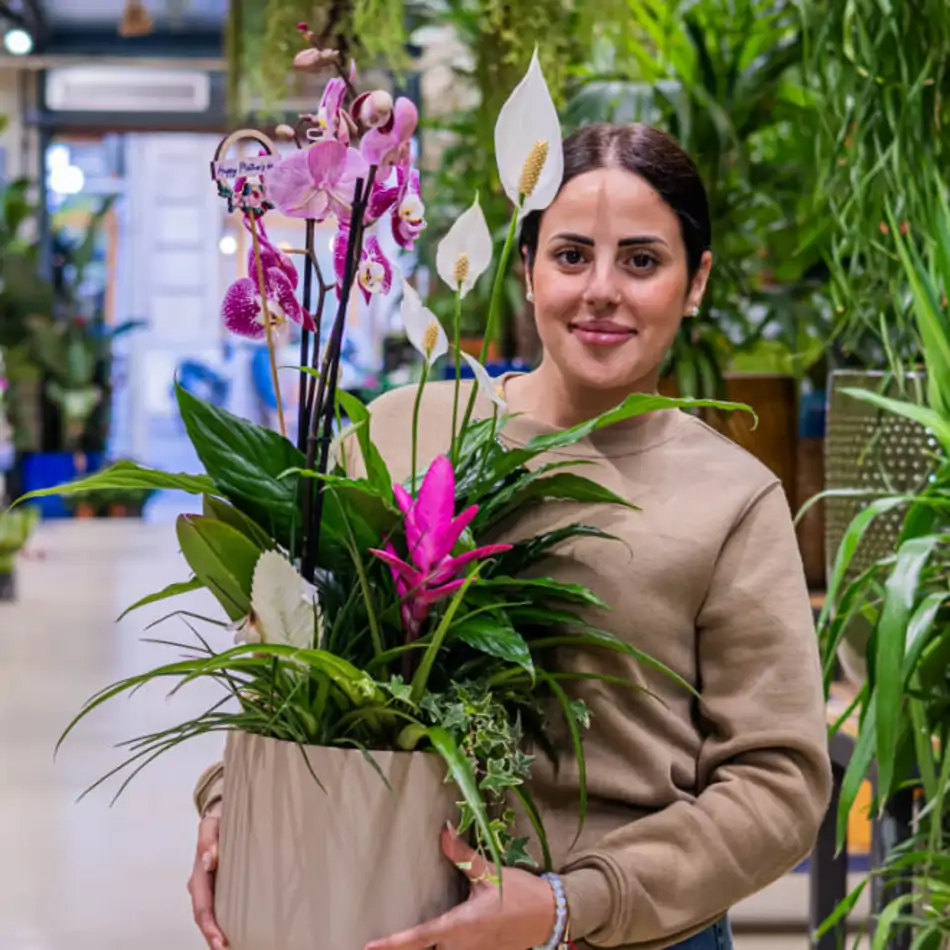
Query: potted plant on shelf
[[903, 704], [393, 659]]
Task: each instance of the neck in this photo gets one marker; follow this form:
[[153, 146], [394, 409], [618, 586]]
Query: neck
[[547, 395]]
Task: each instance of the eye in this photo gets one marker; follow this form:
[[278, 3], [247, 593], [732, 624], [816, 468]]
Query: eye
[[571, 256], [642, 261]]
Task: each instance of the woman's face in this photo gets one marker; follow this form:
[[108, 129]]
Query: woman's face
[[610, 281]]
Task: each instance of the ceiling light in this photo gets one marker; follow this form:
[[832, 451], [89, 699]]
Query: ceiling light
[[18, 42], [228, 245]]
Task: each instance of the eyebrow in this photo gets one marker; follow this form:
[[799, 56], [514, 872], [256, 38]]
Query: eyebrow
[[637, 241]]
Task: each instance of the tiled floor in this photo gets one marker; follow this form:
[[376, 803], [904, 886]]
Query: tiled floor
[[86, 876]]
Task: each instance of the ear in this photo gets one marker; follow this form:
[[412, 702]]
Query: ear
[[697, 287]]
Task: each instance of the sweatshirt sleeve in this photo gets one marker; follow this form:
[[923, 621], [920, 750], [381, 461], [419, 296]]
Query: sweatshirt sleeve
[[763, 769]]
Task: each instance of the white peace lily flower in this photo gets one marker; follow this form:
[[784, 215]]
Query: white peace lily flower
[[284, 607], [528, 142], [422, 327], [489, 387], [466, 251]]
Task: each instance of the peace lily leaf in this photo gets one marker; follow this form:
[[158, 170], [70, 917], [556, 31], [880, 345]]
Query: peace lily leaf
[[486, 634], [222, 558], [468, 239], [172, 590], [528, 118], [217, 508], [245, 462], [376, 468], [128, 475], [422, 326]]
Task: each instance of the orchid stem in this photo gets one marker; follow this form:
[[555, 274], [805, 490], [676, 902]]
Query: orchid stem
[[304, 384], [267, 325], [458, 373], [415, 422], [494, 306]]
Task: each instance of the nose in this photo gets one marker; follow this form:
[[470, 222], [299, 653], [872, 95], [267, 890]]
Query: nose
[[602, 292]]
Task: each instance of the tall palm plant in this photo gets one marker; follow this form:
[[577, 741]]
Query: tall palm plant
[[904, 705]]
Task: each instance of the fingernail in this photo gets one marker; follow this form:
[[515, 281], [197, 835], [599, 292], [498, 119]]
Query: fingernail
[[206, 861]]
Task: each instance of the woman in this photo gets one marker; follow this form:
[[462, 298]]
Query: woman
[[694, 804]]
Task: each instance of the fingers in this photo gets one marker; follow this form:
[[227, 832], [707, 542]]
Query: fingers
[[430, 934], [208, 832], [201, 885], [465, 858]]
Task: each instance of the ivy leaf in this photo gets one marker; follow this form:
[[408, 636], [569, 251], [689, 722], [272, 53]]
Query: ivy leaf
[[498, 777]]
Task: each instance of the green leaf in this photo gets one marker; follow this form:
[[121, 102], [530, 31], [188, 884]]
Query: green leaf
[[575, 733], [222, 511], [523, 794], [858, 767], [636, 404], [128, 475], [928, 418], [461, 771], [918, 631], [376, 469], [901, 594], [246, 461], [496, 639], [888, 918], [564, 486], [849, 545], [172, 590], [222, 559], [530, 551], [842, 910], [556, 590]]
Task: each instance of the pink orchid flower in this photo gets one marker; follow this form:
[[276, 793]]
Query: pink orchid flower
[[431, 532], [391, 147], [374, 274], [317, 182], [243, 309], [409, 214], [329, 122]]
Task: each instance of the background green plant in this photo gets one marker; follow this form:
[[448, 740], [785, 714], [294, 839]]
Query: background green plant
[[904, 706], [878, 73]]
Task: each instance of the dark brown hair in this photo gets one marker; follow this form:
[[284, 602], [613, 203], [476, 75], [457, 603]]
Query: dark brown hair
[[655, 157]]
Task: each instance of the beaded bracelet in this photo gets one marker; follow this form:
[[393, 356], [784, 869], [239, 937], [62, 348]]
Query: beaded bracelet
[[559, 938]]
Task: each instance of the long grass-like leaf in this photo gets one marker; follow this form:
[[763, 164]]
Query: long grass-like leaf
[[464, 777], [578, 744]]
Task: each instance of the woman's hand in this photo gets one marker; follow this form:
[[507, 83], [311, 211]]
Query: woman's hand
[[523, 918], [201, 882]]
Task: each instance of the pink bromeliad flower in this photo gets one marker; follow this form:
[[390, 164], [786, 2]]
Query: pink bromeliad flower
[[316, 182], [431, 574]]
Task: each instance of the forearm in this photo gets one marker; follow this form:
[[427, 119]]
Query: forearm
[[664, 877]]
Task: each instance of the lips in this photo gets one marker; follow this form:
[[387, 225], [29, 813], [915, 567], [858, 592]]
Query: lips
[[602, 332]]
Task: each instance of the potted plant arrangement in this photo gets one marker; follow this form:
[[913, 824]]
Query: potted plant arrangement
[[395, 662], [903, 704]]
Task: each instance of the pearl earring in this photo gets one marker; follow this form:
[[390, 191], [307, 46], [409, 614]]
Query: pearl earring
[[693, 311], [530, 295]]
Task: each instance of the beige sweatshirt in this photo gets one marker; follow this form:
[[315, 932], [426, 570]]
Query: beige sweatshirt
[[693, 805]]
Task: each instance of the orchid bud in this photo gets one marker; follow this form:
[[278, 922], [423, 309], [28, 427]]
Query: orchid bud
[[373, 109], [314, 60], [284, 132]]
